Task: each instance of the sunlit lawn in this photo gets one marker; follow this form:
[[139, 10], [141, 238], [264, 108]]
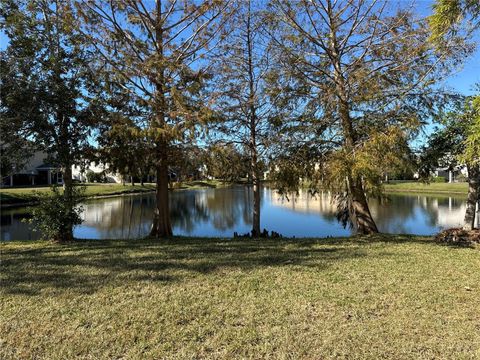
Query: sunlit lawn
[[390, 297], [30, 194], [454, 188]]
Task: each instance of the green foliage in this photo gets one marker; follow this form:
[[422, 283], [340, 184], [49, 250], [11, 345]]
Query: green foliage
[[450, 15], [382, 152], [456, 141], [57, 214], [15, 98], [241, 88], [227, 163], [49, 94], [471, 154], [125, 147], [188, 162], [439, 179], [155, 78], [93, 176]]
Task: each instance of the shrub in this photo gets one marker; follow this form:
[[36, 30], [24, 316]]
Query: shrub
[[56, 215], [90, 176], [439, 179], [95, 177]]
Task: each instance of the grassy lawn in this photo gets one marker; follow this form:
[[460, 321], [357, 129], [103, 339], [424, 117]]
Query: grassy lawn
[[26, 195], [200, 184], [413, 186], [390, 297]]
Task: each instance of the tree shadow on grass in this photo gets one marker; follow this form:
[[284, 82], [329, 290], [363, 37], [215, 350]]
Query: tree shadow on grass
[[84, 267]]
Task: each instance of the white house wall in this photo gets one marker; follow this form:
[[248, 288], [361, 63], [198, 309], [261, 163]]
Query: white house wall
[[80, 175], [38, 158]]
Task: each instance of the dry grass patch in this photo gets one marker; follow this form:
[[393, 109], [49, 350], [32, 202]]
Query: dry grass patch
[[380, 297]]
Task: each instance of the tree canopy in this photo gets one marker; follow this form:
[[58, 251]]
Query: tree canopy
[[51, 95]]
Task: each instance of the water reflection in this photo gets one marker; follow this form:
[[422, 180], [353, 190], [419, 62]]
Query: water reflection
[[220, 212]]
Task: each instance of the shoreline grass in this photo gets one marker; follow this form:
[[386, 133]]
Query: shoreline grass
[[438, 188], [28, 195], [383, 296]]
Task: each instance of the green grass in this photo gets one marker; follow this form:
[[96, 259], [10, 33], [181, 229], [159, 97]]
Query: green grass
[[414, 186], [383, 297], [29, 195], [200, 184]]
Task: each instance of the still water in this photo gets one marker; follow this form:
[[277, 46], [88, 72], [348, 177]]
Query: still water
[[221, 212]]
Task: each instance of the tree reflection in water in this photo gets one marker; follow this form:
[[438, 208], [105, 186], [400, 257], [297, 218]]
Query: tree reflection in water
[[220, 212]]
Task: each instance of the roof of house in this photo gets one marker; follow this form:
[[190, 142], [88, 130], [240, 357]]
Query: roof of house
[[46, 166]]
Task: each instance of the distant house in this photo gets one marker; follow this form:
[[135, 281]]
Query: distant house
[[37, 171], [449, 169], [451, 174]]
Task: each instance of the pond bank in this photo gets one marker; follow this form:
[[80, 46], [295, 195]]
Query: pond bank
[[30, 196], [432, 188], [361, 297]]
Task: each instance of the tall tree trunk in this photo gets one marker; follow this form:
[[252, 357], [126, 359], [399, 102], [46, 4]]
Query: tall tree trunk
[[253, 129], [361, 216], [65, 159], [256, 198], [131, 180], [472, 197], [161, 226], [67, 233], [360, 211]]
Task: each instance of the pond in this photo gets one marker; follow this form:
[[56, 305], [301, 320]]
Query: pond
[[221, 212]]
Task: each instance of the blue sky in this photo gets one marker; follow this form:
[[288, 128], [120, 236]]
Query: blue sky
[[464, 78]]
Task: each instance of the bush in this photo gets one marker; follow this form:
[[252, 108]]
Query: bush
[[90, 175], [56, 215], [439, 179], [95, 177]]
